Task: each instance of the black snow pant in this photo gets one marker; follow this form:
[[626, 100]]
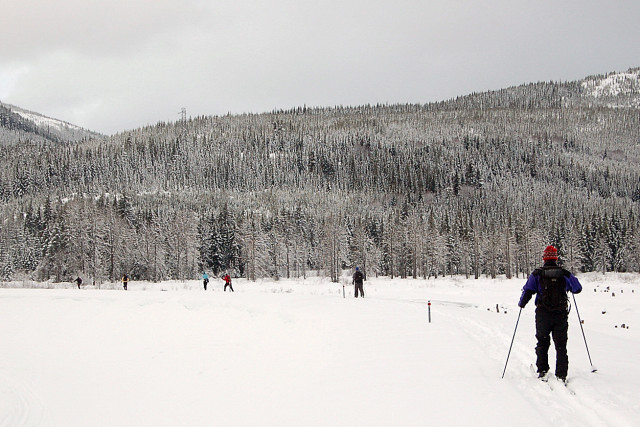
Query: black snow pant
[[229, 285], [556, 324], [358, 287], [205, 284]]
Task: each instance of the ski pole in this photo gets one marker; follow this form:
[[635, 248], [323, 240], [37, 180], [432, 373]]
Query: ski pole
[[593, 368], [514, 336]]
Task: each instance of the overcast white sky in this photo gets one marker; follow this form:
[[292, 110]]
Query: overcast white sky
[[115, 65]]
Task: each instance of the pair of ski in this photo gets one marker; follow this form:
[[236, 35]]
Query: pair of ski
[[552, 381]]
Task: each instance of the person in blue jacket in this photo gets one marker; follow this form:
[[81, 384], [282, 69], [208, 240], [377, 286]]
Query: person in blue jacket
[[551, 283], [205, 279]]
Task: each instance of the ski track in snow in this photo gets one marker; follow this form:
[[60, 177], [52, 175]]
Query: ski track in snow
[[18, 405], [565, 405], [585, 399]]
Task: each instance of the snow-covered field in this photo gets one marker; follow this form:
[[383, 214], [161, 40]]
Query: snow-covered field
[[296, 353]]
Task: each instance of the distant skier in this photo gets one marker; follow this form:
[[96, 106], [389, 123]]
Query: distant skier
[[205, 279], [358, 279], [227, 282], [78, 281], [125, 281], [551, 283]]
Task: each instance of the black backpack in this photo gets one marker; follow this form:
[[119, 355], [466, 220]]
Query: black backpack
[[553, 288]]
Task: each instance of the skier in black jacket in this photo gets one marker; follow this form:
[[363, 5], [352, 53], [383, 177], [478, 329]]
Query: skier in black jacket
[[358, 279], [551, 283]]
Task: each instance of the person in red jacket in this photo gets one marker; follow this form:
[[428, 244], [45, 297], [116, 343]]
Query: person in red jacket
[[227, 282]]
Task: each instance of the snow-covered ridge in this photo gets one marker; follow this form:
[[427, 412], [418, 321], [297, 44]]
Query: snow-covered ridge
[[614, 84], [41, 126], [44, 122]]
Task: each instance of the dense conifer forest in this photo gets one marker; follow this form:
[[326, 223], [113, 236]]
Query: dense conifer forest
[[476, 185]]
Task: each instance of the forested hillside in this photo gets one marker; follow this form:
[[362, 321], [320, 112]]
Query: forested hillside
[[475, 185]]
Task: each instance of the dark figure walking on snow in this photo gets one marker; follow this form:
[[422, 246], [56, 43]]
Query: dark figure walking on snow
[[358, 279], [227, 282], [551, 283], [78, 281], [125, 281], [205, 279]]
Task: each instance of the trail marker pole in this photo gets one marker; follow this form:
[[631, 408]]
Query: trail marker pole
[[429, 310]]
